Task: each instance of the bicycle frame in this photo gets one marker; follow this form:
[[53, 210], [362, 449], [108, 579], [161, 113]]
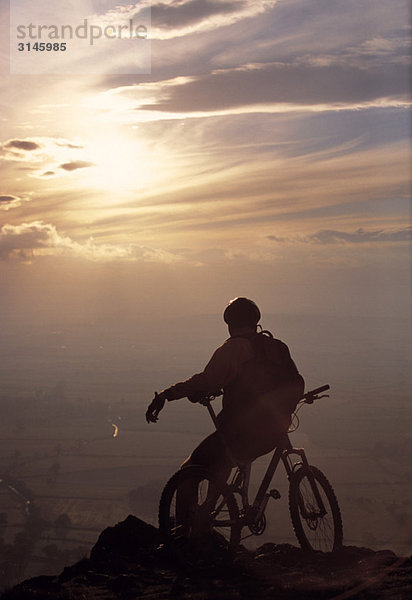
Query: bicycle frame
[[240, 484], [283, 453]]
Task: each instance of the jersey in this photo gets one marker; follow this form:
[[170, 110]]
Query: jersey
[[261, 387]]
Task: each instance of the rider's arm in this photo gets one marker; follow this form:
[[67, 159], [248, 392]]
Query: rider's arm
[[292, 385], [221, 369]]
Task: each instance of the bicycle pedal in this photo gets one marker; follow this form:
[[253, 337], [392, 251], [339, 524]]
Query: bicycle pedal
[[275, 494]]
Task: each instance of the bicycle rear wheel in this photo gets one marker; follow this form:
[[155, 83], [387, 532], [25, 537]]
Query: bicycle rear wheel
[[194, 510], [316, 527]]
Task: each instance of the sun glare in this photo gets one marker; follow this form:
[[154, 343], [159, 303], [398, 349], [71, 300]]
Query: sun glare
[[120, 164]]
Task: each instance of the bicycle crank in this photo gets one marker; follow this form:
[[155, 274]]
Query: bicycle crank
[[258, 526]]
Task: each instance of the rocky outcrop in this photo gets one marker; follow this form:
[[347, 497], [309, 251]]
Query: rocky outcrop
[[129, 562]]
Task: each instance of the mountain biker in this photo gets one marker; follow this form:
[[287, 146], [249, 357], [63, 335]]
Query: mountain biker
[[261, 387]]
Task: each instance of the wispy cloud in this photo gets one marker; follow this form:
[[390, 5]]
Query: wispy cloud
[[281, 83], [302, 86], [192, 12], [360, 236], [176, 18], [66, 144], [390, 49]]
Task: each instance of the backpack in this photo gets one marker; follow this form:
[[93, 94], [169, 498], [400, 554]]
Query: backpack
[[257, 407]]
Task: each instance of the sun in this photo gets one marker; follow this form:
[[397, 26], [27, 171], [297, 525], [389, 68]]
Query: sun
[[120, 163]]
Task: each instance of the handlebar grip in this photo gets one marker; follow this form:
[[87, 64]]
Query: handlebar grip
[[318, 390]]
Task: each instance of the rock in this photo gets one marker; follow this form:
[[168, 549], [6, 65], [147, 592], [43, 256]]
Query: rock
[[126, 539], [37, 588], [78, 569]]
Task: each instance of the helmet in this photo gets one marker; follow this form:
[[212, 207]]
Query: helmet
[[241, 311]]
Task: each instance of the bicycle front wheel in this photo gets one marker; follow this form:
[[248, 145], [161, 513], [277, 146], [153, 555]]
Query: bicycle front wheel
[[194, 508], [314, 511]]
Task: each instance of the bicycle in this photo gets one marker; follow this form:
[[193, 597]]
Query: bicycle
[[214, 508]]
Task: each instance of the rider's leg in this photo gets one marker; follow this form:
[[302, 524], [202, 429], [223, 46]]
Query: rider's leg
[[211, 454]]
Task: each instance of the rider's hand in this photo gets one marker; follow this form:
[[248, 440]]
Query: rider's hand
[[156, 405]]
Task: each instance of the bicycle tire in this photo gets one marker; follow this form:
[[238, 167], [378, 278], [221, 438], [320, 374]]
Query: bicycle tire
[[223, 526], [314, 531]]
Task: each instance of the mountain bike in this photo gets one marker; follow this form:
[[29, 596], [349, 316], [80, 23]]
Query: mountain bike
[[223, 511]]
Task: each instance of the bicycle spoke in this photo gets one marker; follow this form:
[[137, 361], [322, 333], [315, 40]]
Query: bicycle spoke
[[317, 527], [193, 507]]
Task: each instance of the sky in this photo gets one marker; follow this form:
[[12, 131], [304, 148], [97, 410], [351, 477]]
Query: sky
[[265, 152]]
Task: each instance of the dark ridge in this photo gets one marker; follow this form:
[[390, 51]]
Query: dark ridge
[[129, 562]]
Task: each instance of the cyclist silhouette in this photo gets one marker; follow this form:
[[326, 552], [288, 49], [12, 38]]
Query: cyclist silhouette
[[261, 388]]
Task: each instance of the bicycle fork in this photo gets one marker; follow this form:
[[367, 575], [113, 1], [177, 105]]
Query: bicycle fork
[[304, 464]]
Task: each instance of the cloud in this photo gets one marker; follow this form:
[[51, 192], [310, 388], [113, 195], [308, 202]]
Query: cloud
[[329, 236], [26, 241], [176, 18], [25, 145], [303, 85], [299, 84], [46, 157], [8, 202], [352, 32], [74, 165], [360, 236], [180, 14], [69, 145], [39, 149], [277, 238], [21, 150], [395, 48]]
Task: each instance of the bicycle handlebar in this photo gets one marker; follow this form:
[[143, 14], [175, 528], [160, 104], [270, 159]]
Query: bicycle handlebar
[[311, 396], [307, 398]]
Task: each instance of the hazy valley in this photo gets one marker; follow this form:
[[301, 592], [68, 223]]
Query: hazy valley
[[75, 443]]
